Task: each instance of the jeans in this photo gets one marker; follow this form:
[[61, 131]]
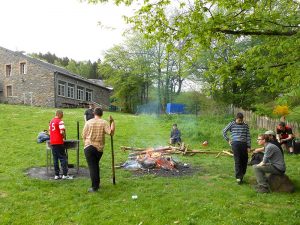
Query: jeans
[[260, 173], [59, 153], [93, 157], [240, 155]]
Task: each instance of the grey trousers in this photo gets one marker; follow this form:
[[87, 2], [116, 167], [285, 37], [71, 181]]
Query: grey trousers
[[260, 173]]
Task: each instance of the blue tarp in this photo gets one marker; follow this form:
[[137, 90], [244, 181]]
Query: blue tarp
[[174, 108]]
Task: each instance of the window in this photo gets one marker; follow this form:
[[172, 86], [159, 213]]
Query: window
[[8, 70], [88, 95], [9, 91], [70, 90], [61, 88], [23, 68], [80, 92]]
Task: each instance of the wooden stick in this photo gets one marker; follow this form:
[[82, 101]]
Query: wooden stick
[[218, 154], [228, 153], [124, 148], [152, 150]]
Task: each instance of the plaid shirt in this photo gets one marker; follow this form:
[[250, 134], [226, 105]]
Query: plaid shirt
[[94, 133]]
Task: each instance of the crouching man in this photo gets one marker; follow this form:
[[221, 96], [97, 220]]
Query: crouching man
[[272, 163]]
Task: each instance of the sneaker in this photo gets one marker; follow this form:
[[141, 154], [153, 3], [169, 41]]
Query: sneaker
[[57, 177], [92, 190], [67, 177], [239, 181]]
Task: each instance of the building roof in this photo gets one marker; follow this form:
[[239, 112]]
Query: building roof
[[55, 68], [100, 82]]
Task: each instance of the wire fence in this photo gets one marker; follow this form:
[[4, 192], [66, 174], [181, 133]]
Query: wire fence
[[264, 122]]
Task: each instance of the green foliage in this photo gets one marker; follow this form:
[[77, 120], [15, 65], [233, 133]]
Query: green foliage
[[265, 109], [200, 104], [253, 46], [137, 68], [210, 196], [128, 75], [84, 68], [294, 115]]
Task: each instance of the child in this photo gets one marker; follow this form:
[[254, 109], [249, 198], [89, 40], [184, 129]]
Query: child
[[175, 135]]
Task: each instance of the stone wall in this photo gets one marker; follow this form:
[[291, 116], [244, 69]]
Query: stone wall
[[36, 87], [39, 85]]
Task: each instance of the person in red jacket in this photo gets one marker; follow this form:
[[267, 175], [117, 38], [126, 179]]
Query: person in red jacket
[[285, 136], [57, 137]]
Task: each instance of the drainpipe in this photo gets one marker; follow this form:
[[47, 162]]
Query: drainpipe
[[55, 87]]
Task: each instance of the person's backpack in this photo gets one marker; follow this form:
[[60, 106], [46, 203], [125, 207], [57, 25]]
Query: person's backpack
[[256, 158]]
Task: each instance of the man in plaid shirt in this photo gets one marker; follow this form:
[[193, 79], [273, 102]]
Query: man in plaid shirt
[[94, 140]]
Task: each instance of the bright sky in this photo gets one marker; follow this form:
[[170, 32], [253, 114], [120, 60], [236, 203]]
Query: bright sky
[[66, 28]]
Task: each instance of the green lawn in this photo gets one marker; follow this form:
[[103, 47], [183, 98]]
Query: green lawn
[[210, 196]]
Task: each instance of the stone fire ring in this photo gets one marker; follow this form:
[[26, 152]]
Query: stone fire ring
[[41, 173]]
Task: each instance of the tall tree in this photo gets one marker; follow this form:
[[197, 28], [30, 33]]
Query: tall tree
[[271, 26]]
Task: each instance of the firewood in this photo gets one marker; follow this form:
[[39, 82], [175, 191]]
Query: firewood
[[227, 152], [124, 148], [203, 152], [218, 154], [152, 150]]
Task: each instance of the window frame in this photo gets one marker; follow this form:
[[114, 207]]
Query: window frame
[[61, 87], [71, 90], [8, 67], [23, 68], [11, 91], [80, 93], [88, 95]]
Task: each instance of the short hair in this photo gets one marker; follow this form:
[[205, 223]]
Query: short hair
[[282, 124], [98, 111], [239, 115], [175, 124], [59, 112], [265, 137]]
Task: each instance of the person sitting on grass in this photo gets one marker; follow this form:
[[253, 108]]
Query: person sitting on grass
[[43, 136], [273, 163], [285, 137], [175, 135]]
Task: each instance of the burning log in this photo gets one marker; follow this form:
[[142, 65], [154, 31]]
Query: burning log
[[161, 149]]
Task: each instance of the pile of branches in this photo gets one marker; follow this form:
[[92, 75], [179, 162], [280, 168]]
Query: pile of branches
[[180, 149]]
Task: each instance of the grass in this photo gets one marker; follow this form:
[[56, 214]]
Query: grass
[[210, 196]]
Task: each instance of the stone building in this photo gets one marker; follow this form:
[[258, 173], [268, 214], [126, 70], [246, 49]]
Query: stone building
[[25, 80]]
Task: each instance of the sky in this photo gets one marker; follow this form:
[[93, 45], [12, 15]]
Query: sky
[[66, 28]]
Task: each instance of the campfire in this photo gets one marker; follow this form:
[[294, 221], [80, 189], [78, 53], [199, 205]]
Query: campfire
[[150, 158], [160, 158]]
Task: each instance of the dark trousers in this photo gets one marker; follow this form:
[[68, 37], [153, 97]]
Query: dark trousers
[[93, 157], [59, 153], [240, 155]]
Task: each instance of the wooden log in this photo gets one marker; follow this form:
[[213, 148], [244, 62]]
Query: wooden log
[[124, 148], [153, 150], [203, 152]]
